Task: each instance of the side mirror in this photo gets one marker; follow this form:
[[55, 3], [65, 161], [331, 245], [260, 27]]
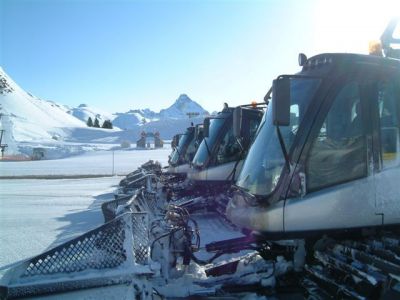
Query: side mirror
[[206, 127], [237, 122], [175, 141], [281, 101], [200, 134]]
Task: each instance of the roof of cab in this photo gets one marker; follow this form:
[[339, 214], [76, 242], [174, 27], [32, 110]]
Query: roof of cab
[[324, 60]]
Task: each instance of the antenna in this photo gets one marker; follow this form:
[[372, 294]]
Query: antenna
[[388, 39]]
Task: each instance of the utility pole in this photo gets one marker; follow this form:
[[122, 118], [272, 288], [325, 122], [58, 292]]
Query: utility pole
[[2, 146], [192, 114], [112, 163]]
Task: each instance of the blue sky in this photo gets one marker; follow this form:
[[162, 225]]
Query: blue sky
[[121, 55]]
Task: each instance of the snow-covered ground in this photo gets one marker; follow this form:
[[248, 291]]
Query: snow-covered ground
[[39, 214], [89, 163], [36, 215]]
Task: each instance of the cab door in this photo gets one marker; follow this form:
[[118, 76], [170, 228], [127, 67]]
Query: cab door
[[387, 176], [338, 165]]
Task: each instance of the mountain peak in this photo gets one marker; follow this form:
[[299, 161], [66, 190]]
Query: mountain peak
[[183, 98], [182, 107]]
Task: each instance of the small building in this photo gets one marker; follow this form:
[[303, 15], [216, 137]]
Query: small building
[[141, 143], [38, 153], [158, 142], [144, 143]]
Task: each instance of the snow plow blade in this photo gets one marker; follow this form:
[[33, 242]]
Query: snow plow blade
[[109, 208], [114, 253], [141, 201]]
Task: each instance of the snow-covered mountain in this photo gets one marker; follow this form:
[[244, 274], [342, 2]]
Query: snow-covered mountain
[[134, 118], [28, 118], [128, 120], [30, 122], [83, 112], [146, 113], [181, 108]]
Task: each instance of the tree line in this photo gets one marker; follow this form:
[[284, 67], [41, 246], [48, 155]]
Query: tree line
[[106, 124]]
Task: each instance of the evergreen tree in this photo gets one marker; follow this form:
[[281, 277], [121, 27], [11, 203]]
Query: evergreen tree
[[107, 124], [96, 123], [89, 122]]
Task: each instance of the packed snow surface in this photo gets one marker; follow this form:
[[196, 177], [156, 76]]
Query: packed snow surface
[[36, 215], [89, 163]]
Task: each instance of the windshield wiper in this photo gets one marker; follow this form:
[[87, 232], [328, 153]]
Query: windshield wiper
[[208, 149], [242, 150], [248, 197], [179, 153], [283, 147]]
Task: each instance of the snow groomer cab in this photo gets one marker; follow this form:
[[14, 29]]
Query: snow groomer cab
[[327, 155], [221, 153], [184, 150]]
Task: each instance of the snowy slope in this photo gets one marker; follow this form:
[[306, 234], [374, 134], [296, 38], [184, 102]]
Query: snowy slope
[[30, 122], [31, 118], [127, 120], [134, 118], [83, 112]]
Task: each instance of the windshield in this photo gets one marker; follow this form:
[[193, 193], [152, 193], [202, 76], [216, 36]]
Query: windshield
[[179, 154], [265, 161], [208, 143]]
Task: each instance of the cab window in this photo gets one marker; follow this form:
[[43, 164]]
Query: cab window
[[191, 150], [250, 126], [388, 104], [253, 126], [339, 152], [228, 149]]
